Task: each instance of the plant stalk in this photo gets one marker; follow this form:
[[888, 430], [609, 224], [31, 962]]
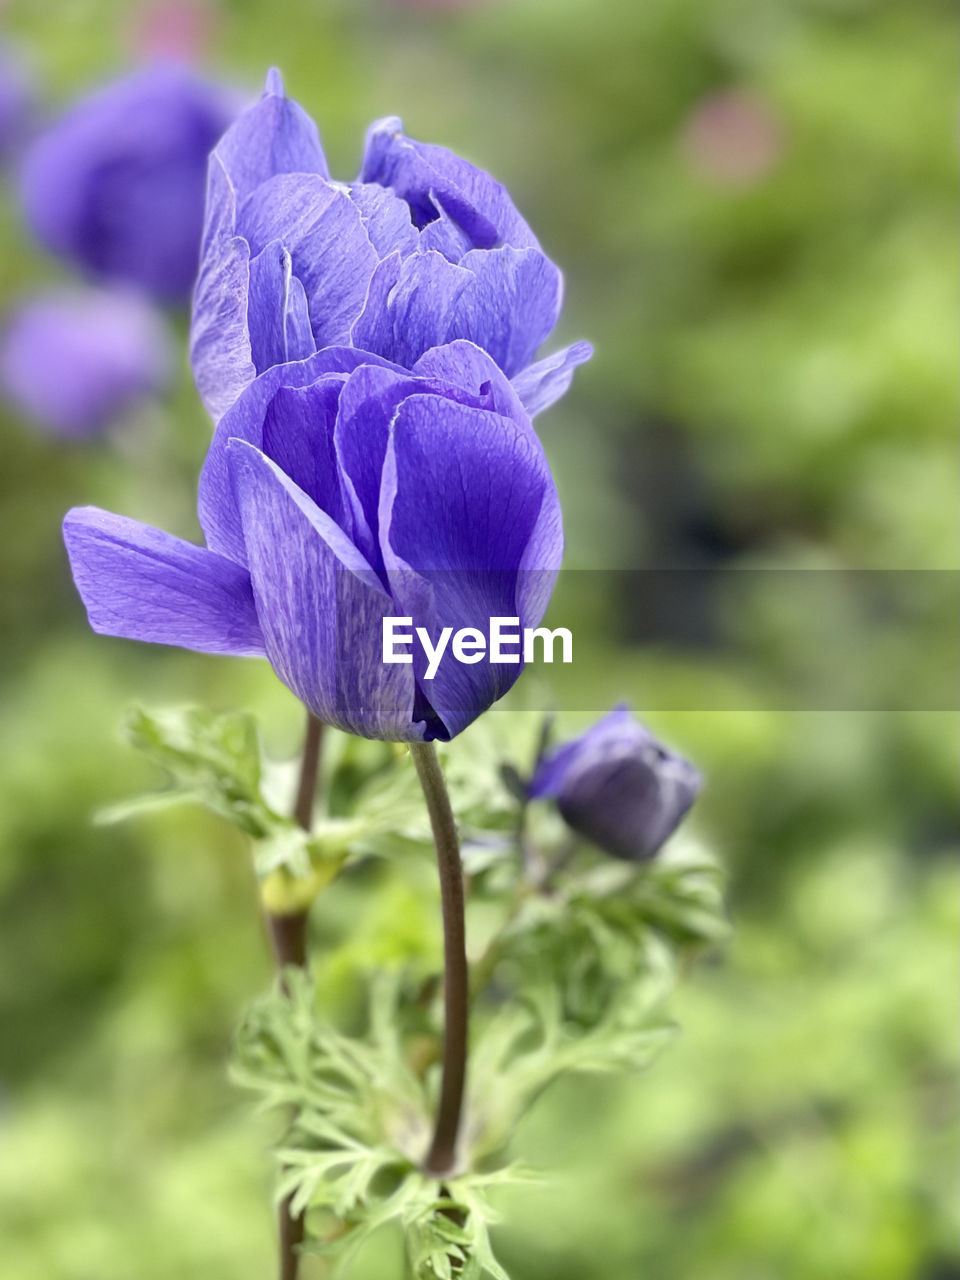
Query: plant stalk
[[288, 938], [441, 1158]]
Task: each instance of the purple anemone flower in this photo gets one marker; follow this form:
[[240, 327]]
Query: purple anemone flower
[[421, 250], [76, 360], [341, 490], [617, 786], [116, 186]]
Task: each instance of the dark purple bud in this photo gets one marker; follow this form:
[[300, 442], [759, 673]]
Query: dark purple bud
[[617, 786]]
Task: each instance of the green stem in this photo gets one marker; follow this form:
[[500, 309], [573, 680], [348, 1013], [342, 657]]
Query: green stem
[[288, 937], [441, 1157]]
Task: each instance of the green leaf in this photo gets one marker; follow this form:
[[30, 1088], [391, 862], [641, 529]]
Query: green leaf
[[358, 1124], [213, 759]]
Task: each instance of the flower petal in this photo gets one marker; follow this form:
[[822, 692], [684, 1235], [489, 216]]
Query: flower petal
[[298, 437], [273, 136], [217, 505], [463, 364], [143, 584], [426, 176], [220, 354], [444, 235], [618, 786], [409, 306], [540, 385], [324, 232], [510, 306], [277, 310], [321, 606], [386, 219], [464, 494], [368, 404]]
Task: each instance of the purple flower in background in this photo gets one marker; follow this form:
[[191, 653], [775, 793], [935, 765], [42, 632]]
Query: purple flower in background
[[76, 360], [117, 185], [340, 490], [16, 101], [422, 250], [618, 787]]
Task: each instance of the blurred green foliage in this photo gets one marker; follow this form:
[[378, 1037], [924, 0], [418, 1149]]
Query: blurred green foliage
[[752, 201]]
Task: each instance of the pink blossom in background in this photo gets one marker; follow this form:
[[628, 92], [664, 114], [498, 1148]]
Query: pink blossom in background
[[175, 29], [436, 5], [733, 137]]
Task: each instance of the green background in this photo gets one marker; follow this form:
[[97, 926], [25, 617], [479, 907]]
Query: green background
[[771, 292]]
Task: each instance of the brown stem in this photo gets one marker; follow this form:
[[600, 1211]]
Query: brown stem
[[288, 938], [309, 772], [441, 1157]]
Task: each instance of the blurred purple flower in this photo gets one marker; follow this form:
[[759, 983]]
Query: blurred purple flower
[[339, 490], [16, 101], [116, 186], [422, 250], [618, 787], [76, 360], [733, 138]]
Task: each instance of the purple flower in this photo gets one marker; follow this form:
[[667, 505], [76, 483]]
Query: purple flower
[[117, 185], [421, 250], [340, 490], [76, 360], [618, 787]]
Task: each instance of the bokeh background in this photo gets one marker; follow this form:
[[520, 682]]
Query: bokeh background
[[753, 204]]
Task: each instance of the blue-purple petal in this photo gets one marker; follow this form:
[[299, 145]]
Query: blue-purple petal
[[463, 364], [618, 786], [143, 584], [386, 219], [220, 349], [510, 306], [217, 506], [277, 310], [409, 306], [540, 385], [273, 136], [322, 606], [463, 494], [324, 233], [429, 177], [298, 436]]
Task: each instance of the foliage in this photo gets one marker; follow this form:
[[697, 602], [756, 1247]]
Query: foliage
[[360, 1122], [575, 981]]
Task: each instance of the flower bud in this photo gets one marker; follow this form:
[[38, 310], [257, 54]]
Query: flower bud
[[618, 787]]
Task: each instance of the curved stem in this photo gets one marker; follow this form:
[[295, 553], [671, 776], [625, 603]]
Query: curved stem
[[456, 990], [309, 772], [288, 937]]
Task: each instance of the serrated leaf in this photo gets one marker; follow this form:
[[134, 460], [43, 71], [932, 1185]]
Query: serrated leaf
[[212, 759]]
